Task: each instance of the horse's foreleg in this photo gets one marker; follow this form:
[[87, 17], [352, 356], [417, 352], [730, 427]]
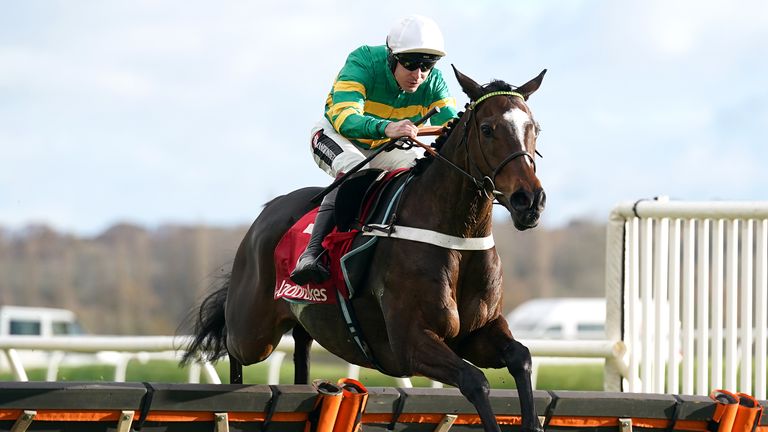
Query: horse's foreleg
[[235, 371], [518, 361], [478, 349], [302, 343], [429, 356]]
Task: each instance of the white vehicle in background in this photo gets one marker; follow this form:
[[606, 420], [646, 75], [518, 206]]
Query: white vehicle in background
[[48, 324], [38, 321], [41, 322], [559, 318]]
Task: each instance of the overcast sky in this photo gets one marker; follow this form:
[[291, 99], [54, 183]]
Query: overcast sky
[[157, 112]]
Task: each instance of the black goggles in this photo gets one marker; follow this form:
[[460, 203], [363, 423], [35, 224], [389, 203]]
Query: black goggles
[[420, 62]]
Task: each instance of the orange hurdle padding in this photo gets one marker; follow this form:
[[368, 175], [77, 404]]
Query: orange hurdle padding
[[748, 414], [323, 416], [725, 412], [355, 397]]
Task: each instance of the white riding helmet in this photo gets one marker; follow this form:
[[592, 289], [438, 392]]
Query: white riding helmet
[[416, 34]]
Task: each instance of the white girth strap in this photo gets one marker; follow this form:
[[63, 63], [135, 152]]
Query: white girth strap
[[431, 237]]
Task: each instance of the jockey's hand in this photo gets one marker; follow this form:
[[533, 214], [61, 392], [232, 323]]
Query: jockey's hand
[[400, 129]]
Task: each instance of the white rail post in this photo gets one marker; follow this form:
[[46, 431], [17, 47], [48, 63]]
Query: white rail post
[[745, 337], [646, 301], [716, 283], [673, 354], [121, 367], [210, 373], [632, 299], [689, 269], [718, 273], [702, 309], [761, 309], [353, 371], [615, 265], [275, 363], [54, 361], [731, 289], [661, 277], [16, 365], [193, 373]]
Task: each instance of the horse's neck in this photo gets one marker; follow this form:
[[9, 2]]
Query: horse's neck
[[448, 199]]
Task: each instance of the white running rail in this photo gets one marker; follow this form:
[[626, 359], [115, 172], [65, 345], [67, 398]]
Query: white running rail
[[687, 291], [165, 347]]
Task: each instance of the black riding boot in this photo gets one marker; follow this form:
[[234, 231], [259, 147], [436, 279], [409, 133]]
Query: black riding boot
[[310, 266]]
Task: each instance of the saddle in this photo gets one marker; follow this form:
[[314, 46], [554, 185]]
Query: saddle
[[368, 196]]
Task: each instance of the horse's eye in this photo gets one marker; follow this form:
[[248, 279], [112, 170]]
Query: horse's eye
[[486, 130]]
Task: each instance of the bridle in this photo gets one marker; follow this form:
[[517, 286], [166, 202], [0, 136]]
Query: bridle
[[486, 184]]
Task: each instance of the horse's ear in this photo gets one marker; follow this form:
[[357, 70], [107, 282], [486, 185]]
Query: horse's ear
[[470, 87], [531, 86]]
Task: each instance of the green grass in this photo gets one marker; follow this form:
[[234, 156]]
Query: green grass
[[551, 377]]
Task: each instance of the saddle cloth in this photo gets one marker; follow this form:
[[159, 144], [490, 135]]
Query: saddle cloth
[[338, 243], [291, 245]]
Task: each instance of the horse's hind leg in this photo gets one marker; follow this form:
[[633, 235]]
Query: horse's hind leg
[[302, 343], [478, 349], [235, 371], [255, 321]]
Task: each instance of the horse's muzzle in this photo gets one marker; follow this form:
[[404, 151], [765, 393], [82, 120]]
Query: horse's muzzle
[[526, 207]]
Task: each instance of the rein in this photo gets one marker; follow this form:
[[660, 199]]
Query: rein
[[486, 185]]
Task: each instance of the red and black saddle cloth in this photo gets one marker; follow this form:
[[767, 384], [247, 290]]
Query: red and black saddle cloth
[[365, 196]]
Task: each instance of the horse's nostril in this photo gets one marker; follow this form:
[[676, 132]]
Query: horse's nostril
[[521, 200]]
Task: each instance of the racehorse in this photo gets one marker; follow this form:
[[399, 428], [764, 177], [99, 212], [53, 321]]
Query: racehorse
[[425, 308]]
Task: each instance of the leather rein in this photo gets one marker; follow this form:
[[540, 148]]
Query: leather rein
[[486, 185]]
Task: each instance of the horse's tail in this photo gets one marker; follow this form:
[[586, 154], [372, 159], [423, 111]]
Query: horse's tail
[[210, 331]]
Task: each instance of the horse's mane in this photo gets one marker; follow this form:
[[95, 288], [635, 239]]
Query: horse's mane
[[423, 163]]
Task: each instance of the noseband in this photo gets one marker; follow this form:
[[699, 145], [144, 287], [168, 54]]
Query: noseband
[[487, 185]]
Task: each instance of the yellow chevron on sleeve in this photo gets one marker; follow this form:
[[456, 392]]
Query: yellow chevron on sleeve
[[349, 86], [338, 107], [387, 111], [343, 114], [449, 101]]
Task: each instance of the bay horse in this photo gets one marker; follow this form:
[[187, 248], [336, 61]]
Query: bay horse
[[424, 308]]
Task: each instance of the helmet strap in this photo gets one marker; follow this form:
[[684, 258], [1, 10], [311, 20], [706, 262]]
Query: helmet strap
[[391, 61]]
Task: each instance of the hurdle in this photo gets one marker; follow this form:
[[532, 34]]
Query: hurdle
[[158, 407]]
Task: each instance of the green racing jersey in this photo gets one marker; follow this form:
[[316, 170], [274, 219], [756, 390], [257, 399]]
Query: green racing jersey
[[365, 98]]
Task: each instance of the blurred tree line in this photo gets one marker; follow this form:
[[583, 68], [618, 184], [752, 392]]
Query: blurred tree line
[[132, 280]]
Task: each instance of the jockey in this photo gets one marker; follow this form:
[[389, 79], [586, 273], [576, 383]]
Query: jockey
[[376, 97]]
